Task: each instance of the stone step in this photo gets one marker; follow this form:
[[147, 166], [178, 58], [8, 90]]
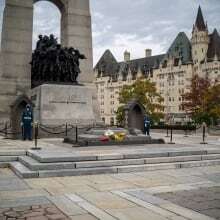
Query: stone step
[[13, 153], [57, 157], [125, 162], [8, 158], [34, 165], [127, 169], [22, 171]]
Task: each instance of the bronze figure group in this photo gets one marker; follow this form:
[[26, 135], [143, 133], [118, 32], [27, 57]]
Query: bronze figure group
[[53, 63]]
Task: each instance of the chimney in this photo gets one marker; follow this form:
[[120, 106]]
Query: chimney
[[127, 56], [148, 53]]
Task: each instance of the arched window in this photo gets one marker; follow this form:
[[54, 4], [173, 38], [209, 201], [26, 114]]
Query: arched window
[[47, 20]]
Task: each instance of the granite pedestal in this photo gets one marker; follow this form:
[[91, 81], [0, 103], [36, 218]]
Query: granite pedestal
[[61, 104]]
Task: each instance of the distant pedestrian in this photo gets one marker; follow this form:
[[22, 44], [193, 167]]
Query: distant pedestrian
[[146, 125], [27, 123]]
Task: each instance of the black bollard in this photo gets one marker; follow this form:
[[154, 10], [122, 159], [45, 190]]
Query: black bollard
[[36, 132], [167, 132], [171, 136], [203, 134], [76, 134], [66, 131], [6, 129]]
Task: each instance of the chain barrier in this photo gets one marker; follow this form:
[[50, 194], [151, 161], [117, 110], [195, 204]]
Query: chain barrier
[[57, 133], [53, 128]]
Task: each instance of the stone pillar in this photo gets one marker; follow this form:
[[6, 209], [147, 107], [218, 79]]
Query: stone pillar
[[15, 78], [76, 32]]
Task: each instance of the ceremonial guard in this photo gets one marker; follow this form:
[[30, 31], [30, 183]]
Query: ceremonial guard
[[27, 123]]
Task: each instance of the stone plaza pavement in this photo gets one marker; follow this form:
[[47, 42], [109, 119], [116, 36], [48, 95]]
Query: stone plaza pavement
[[174, 194]]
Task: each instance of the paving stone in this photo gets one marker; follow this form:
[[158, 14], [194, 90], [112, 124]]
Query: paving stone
[[21, 209], [215, 213], [69, 190], [187, 213], [134, 213], [52, 210], [106, 200], [149, 206], [83, 217], [100, 214], [147, 197], [38, 218], [74, 198], [12, 184], [22, 193], [66, 205], [12, 214], [24, 202], [112, 186], [33, 214], [56, 216]]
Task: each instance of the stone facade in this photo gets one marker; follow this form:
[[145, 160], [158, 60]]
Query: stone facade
[[15, 76], [172, 72]]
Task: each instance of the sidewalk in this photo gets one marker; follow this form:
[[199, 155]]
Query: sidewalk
[[180, 194]]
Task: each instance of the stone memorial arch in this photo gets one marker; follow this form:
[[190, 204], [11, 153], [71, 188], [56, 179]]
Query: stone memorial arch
[[16, 48]]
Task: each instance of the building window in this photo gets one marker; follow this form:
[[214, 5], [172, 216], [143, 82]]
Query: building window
[[103, 119]]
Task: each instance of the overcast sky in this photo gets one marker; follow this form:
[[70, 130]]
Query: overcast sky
[[133, 25]]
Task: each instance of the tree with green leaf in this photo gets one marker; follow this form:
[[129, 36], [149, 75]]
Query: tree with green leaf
[[146, 94]]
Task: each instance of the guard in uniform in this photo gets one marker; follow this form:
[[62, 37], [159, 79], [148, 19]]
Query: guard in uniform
[[146, 125], [27, 123]]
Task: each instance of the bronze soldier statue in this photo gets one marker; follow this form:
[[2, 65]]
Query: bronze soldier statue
[[53, 63]]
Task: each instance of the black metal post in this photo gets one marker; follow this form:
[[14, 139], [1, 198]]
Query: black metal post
[[203, 134], [171, 136], [66, 130], [76, 134], [36, 132], [167, 131], [6, 129]]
